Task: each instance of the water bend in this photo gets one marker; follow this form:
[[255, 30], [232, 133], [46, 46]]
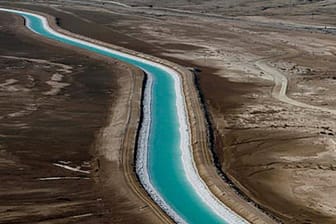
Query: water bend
[[164, 161]]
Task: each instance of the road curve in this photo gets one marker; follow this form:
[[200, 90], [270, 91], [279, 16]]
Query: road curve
[[279, 90]]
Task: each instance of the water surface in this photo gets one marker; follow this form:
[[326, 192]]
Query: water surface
[[164, 159]]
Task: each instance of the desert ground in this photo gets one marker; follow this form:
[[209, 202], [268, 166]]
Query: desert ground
[[265, 71], [55, 125]]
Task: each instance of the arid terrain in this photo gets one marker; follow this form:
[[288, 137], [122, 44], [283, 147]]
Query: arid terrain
[[265, 69], [56, 160]]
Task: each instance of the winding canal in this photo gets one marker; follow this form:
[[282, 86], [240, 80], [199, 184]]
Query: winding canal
[[164, 160]]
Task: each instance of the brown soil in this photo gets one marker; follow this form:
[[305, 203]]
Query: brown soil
[[279, 155], [39, 130], [43, 130]]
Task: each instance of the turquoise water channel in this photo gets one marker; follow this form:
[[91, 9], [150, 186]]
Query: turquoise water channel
[[164, 158]]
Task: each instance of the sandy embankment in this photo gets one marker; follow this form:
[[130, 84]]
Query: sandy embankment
[[202, 154], [124, 196], [124, 132], [250, 106]]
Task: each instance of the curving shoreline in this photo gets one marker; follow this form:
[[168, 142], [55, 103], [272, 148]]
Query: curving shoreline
[[188, 153], [141, 165], [237, 95], [139, 197]]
